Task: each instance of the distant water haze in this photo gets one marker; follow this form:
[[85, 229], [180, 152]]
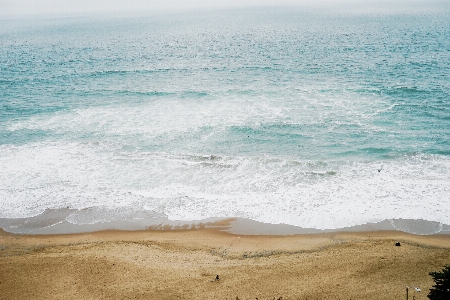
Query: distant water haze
[[77, 7]]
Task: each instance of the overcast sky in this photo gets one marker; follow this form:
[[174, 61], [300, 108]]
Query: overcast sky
[[69, 7]]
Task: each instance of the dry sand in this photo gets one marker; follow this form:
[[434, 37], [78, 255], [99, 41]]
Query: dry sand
[[183, 264]]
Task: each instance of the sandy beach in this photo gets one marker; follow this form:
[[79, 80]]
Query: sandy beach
[[184, 264]]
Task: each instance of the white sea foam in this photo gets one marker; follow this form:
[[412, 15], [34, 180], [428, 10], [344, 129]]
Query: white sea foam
[[175, 115], [113, 167], [185, 187]]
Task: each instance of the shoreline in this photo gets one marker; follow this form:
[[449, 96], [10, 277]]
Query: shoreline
[[183, 264], [55, 221]]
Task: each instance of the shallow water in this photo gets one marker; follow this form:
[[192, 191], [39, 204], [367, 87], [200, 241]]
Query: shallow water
[[314, 120]]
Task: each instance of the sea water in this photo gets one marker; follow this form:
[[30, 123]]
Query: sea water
[[319, 120]]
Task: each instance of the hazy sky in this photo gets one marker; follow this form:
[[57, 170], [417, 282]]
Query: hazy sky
[[66, 7]]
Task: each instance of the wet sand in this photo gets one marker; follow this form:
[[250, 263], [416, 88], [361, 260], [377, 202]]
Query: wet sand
[[183, 264]]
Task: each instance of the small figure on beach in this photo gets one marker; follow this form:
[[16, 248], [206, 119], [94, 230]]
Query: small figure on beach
[[397, 244], [217, 277]]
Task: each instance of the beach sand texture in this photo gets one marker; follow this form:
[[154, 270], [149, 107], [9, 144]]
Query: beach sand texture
[[183, 264]]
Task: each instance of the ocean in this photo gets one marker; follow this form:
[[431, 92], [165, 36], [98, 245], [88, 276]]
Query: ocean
[[319, 120]]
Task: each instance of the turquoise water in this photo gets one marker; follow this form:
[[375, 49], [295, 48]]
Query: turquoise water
[[281, 116]]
